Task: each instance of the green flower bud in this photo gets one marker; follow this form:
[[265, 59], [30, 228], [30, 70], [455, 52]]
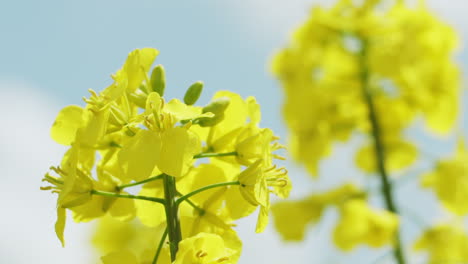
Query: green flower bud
[[217, 107], [158, 80], [193, 93], [138, 99]]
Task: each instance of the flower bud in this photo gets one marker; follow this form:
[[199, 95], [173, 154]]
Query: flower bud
[[158, 80], [193, 93], [217, 107]]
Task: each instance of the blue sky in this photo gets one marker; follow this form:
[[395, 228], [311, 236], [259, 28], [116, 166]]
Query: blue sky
[[51, 52]]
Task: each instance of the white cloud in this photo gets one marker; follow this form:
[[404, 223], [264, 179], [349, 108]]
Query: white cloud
[[28, 214]]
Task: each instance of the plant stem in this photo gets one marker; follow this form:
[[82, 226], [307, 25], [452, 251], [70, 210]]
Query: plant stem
[[209, 155], [158, 250], [185, 197], [387, 190], [172, 219], [200, 210], [128, 196], [154, 178]]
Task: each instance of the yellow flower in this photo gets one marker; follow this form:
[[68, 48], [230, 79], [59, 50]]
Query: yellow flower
[[149, 213], [253, 144], [73, 186], [204, 248], [360, 224], [254, 182], [136, 67], [293, 217], [163, 147], [128, 257], [449, 181], [444, 244], [399, 155], [67, 122], [112, 237]]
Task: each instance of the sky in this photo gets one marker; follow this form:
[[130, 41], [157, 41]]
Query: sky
[[51, 52]]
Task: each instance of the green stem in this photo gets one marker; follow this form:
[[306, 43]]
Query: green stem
[[129, 196], [185, 197], [172, 219], [200, 210], [158, 250], [387, 190], [209, 155], [154, 178]]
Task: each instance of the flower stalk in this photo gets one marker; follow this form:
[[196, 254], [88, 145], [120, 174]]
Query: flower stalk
[[128, 196], [172, 218], [210, 155], [154, 178], [376, 133]]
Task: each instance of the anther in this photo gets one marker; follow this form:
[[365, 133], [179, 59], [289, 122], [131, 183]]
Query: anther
[[201, 254]]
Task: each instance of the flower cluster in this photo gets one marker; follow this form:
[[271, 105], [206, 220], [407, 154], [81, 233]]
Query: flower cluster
[[368, 67], [129, 135], [340, 52]]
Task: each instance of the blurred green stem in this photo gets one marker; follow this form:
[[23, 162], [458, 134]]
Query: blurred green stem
[[387, 190]]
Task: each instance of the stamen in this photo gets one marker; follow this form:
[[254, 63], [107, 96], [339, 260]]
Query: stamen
[[271, 168], [86, 100], [278, 157], [94, 110], [92, 92], [281, 183], [52, 180], [201, 254], [222, 259]]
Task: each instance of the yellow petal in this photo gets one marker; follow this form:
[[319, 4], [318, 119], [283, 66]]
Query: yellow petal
[[123, 209], [120, 257], [60, 224], [262, 220], [178, 148], [443, 114], [150, 213], [137, 65], [90, 210], [398, 154], [95, 125], [237, 205], [67, 122], [139, 156], [292, 217], [196, 179]]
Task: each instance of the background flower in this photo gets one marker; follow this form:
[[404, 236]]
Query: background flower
[[52, 51]]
